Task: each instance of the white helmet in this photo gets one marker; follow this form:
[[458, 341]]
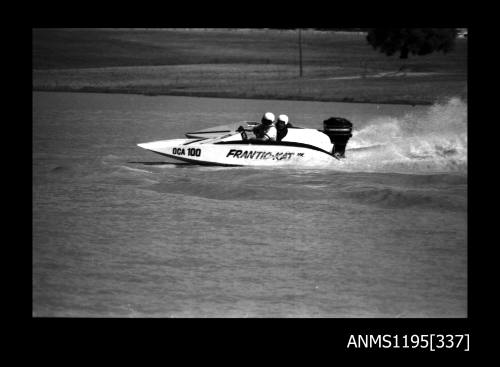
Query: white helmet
[[268, 118], [283, 118]]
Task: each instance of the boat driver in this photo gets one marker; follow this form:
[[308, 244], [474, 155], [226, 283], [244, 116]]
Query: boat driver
[[266, 129], [282, 125]]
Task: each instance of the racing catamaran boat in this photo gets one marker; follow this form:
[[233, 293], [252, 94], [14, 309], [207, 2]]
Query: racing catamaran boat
[[232, 147]]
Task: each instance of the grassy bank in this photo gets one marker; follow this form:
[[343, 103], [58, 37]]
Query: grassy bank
[[241, 64]]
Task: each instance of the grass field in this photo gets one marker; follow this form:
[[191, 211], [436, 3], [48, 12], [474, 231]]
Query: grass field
[[239, 63]]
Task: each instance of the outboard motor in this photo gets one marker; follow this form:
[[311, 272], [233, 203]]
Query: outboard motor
[[340, 131]]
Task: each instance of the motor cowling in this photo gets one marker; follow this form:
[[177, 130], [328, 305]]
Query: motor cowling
[[339, 130]]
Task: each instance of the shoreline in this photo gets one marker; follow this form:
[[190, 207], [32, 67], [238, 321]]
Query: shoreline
[[257, 64], [226, 95]]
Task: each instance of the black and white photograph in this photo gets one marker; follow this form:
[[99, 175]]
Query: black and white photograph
[[249, 173]]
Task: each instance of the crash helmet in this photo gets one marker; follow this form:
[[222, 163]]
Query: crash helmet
[[283, 118], [268, 118]]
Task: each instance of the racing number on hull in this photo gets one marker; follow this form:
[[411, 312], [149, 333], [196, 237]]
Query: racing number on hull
[[191, 152]]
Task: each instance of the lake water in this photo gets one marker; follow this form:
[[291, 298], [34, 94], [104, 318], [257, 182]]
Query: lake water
[[120, 232]]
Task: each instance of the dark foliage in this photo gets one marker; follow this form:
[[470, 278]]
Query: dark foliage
[[417, 41]]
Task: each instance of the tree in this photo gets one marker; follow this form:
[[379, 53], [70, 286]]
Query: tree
[[417, 41]]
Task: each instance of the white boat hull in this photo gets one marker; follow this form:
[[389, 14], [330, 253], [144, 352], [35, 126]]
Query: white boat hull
[[240, 153], [222, 146]]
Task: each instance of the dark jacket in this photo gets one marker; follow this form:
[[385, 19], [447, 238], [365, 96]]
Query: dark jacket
[[259, 130], [282, 131]]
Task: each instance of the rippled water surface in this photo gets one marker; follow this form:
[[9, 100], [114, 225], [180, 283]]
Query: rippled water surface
[[119, 231]]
